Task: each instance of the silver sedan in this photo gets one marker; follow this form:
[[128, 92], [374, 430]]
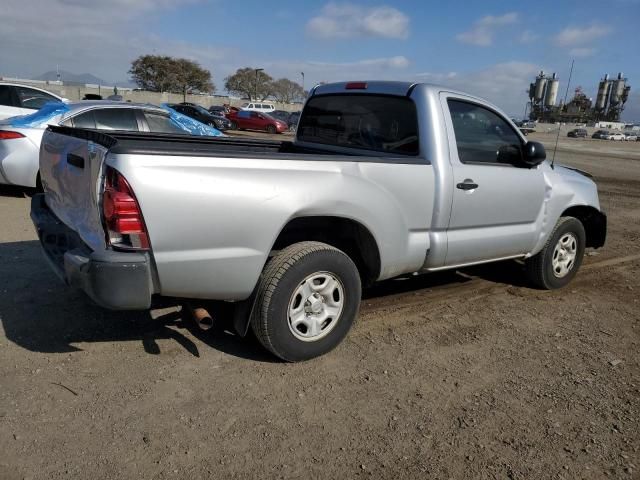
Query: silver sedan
[[20, 137]]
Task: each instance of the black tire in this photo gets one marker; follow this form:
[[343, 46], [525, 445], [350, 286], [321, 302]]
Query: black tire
[[271, 129], [281, 278], [233, 126], [539, 268]]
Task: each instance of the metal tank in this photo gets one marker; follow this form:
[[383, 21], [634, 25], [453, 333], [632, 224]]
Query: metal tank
[[603, 93], [541, 81], [532, 90], [617, 90], [552, 91]]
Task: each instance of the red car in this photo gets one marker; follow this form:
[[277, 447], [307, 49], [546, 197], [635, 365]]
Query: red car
[[256, 121]]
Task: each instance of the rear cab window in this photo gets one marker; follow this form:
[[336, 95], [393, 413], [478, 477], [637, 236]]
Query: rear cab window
[[381, 123]]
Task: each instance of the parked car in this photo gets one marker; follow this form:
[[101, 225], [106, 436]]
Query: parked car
[[614, 136], [578, 133], [202, 115], [290, 231], [631, 136], [20, 137], [282, 115], [17, 99], [245, 120], [258, 107], [600, 134]]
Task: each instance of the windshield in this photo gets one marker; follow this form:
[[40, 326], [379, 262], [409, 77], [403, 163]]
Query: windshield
[[382, 123]]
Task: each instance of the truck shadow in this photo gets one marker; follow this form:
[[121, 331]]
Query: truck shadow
[[39, 313], [16, 192]]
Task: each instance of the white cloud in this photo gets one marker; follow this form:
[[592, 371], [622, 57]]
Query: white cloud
[[528, 37], [504, 84], [582, 52], [578, 36], [484, 29], [389, 68], [90, 36], [347, 20]]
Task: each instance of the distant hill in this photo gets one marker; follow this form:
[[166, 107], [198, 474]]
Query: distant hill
[[71, 77]]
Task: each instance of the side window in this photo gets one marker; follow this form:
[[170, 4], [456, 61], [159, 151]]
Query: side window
[[33, 99], [6, 97], [255, 115], [483, 136], [84, 120], [116, 119], [159, 123]]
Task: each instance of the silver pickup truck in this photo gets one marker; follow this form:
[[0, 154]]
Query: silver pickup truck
[[382, 179]]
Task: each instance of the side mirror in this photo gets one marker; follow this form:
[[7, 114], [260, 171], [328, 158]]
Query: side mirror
[[534, 154]]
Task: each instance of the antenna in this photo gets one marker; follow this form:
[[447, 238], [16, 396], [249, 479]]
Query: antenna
[[553, 160]]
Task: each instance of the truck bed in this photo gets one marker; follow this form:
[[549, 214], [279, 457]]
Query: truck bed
[[145, 143]]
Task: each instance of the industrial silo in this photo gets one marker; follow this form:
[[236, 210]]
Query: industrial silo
[[552, 91], [617, 90], [541, 81], [603, 93]]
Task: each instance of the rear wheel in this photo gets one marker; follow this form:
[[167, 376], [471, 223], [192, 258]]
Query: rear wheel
[[233, 126], [308, 299], [558, 262]]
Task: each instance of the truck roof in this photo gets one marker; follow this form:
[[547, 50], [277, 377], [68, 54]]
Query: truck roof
[[380, 87]]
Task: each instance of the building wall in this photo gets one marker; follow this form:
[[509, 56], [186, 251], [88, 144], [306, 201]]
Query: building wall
[[77, 92]]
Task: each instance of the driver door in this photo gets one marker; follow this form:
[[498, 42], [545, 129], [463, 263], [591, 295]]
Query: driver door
[[496, 198]]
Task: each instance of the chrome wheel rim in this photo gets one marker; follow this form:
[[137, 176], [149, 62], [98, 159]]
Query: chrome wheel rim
[[564, 255], [315, 306]]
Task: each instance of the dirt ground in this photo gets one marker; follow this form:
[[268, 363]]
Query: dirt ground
[[468, 374]]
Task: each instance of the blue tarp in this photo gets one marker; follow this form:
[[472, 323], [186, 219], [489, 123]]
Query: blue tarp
[[42, 116], [192, 126]]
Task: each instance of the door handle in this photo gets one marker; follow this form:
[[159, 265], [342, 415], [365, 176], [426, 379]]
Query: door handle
[[468, 184]]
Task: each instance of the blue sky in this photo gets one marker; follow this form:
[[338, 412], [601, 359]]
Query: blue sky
[[490, 48]]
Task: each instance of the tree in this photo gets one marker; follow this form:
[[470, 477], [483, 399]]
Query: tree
[[286, 91], [250, 83], [161, 73]]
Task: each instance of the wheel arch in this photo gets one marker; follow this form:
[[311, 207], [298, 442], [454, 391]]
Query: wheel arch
[[345, 234], [594, 222]]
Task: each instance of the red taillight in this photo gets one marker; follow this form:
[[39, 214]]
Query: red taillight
[[356, 86], [122, 215], [9, 135]]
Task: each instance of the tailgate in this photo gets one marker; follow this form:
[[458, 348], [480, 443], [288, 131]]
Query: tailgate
[[71, 173]]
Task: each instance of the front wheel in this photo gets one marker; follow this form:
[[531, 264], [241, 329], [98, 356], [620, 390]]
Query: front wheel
[[308, 299], [558, 262], [271, 129]]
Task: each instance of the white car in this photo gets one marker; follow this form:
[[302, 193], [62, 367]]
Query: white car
[[615, 136], [258, 107], [630, 136], [20, 136], [17, 99]]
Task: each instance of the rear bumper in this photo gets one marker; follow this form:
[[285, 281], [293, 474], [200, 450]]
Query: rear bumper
[[113, 280]]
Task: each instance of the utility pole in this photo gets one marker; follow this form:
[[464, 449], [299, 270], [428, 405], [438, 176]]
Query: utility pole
[[302, 73], [256, 86]]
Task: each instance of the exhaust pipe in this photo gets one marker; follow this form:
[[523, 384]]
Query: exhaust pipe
[[202, 318]]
